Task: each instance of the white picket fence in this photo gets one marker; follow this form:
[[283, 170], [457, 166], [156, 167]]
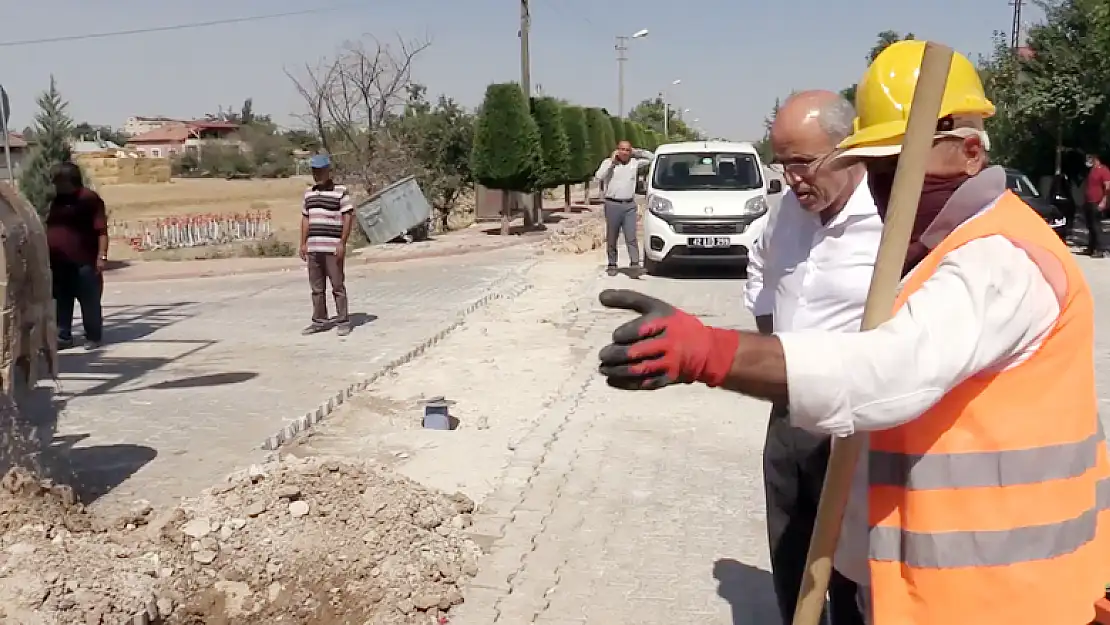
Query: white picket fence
[[194, 230]]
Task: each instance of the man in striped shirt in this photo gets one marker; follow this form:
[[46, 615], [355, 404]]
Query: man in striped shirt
[[326, 220]]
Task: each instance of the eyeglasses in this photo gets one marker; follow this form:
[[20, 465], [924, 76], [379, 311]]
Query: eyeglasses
[[799, 168]]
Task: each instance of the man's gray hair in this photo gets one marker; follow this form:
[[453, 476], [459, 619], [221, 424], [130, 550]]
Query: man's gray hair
[[836, 119]]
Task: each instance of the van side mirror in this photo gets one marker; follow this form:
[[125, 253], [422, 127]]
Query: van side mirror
[[775, 186]]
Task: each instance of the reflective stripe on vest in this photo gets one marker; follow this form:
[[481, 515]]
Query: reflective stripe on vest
[[977, 470], [962, 549]]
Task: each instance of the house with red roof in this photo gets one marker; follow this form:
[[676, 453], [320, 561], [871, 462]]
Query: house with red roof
[[176, 138], [20, 149]]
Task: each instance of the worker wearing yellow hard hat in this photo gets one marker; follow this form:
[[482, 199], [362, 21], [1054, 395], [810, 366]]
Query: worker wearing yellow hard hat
[[982, 494]]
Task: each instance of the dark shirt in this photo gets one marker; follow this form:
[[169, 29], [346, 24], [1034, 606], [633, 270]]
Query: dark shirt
[[1096, 183], [74, 225]]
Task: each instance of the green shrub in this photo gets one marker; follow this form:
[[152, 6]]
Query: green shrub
[[581, 164], [636, 135], [506, 153], [602, 141], [554, 143], [619, 131]]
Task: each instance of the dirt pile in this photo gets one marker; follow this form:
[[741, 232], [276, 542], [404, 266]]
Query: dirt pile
[[578, 235], [298, 541]]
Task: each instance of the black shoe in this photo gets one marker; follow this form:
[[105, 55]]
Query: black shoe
[[65, 343], [635, 272], [611, 271]]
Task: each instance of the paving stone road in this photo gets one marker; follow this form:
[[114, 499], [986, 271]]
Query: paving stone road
[[197, 373], [644, 508]]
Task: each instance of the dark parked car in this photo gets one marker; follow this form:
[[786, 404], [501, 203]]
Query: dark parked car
[[1022, 187]]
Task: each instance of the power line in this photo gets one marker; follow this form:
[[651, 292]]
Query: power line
[[160, 29]]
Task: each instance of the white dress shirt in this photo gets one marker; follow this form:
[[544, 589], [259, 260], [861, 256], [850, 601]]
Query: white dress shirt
[[814, 276], [987, 307]]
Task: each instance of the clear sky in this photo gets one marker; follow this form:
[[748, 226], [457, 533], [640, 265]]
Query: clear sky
[[734, 57]]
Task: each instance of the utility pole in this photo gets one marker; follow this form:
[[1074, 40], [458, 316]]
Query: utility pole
[[622, 56], [525, 61], [1015, 28], [533, 203]]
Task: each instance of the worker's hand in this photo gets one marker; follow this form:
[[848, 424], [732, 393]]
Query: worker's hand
[[663, 346], [101, 264], [303, 251], [341, 252], [613, 156]]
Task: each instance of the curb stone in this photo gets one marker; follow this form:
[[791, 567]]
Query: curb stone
[[518, 285]]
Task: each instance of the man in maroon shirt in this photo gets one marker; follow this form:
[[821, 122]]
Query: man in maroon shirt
[[1096, 188], [77, 232]]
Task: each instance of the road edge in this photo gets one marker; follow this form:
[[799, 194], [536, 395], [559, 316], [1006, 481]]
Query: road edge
[[352, 261]]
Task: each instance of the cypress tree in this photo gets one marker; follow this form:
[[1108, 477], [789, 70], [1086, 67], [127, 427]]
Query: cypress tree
[[52, 131], [582, 164], [506, 153], [554, 143]]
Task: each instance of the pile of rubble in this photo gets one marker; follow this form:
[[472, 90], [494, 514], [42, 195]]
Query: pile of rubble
[[296, 541], [578, 235]]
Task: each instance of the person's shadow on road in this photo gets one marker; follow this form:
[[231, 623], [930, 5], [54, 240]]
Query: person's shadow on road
[[748, 590]]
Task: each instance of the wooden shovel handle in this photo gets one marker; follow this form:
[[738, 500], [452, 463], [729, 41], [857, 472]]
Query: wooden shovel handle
[[891, 258]]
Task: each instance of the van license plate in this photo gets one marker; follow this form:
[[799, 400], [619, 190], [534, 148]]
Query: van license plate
[[708, 242]]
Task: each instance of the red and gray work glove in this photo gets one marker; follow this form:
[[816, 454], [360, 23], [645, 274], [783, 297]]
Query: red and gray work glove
[[663, 346]]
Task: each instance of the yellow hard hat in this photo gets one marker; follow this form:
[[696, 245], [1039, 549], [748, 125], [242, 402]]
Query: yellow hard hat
[[884, 96]]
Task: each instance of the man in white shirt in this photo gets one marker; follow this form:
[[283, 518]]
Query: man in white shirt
[[980, 495], [617, 175], [809, 270]]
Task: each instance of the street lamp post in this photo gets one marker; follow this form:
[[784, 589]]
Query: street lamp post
[[667, 110], [622, 56]]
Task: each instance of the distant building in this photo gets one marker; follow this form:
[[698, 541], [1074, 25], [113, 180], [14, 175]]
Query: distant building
[[176, 138], [140, 125], [20, 150]]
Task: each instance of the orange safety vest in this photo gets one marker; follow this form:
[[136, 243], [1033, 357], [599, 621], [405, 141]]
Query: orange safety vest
[[991, 507]]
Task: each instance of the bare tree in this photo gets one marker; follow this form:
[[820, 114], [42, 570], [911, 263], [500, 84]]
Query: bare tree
[[351, 99], [313, 88]]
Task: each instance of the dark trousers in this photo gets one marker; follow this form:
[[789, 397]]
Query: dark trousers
[[1093, 216], [1068, 210], [620, 217], [82, 284], [322, 269], [794, 464]]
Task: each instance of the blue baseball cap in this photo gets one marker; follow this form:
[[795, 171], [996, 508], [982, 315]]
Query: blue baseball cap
[[319, 161]]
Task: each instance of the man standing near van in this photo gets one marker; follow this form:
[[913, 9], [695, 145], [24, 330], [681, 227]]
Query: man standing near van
[[809, 269], [326, 219], [617, 175], [1096, 189]]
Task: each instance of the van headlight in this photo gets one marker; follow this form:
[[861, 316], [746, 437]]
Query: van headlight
[[660, 205], [755, 206]]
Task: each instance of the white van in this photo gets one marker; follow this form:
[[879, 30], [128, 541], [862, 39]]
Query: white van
[[702, 196]]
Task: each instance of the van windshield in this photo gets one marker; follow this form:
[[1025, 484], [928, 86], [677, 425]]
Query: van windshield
[[707, 171]]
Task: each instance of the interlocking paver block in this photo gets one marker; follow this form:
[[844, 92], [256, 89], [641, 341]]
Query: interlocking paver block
[[196, 374]]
